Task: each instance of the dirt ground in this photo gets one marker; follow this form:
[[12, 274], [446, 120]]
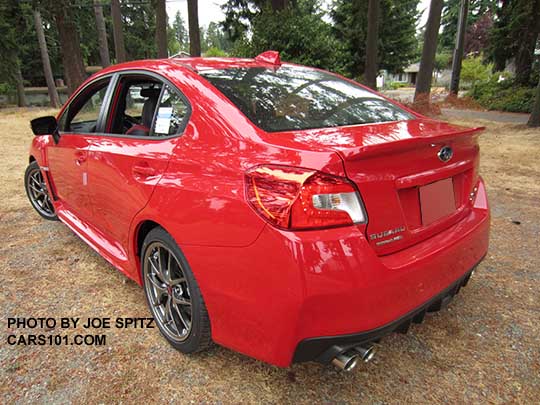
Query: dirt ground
[[484, 348]]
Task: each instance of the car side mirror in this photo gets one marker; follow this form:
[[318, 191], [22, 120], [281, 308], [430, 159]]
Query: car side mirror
[[46, 126]]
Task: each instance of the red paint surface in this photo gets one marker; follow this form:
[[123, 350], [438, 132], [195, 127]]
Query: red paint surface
[[266, 289]]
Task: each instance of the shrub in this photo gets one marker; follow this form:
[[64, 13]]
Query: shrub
[[7, 89], [503, 96], [396, 85], [474, 71], [214, 52]]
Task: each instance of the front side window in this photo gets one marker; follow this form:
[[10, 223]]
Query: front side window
[[295, 98], [146, 107], [132, 113], [83, 113]]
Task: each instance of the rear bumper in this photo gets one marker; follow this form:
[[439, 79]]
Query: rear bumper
[[271, 299], [324, 349]]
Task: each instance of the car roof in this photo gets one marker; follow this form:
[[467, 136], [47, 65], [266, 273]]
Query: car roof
[[195, 64], [200, 64]]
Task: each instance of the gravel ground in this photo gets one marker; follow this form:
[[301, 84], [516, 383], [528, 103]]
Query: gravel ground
[[485, 347]]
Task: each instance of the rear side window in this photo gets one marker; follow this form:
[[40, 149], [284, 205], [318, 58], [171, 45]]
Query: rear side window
[[295, 98], [172, 113]]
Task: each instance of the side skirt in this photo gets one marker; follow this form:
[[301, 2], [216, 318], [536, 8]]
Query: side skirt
[[109, 250]]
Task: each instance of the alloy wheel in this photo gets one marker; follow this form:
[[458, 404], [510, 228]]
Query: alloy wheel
[[168, 291], [39, 194]]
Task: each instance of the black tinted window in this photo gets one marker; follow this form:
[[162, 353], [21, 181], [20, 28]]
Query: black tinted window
[[293, 98]]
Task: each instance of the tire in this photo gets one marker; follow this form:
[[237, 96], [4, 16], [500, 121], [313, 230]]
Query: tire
[[185, 327], [37, 192]]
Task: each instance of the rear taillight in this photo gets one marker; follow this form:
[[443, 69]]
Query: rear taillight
[[296, 198]]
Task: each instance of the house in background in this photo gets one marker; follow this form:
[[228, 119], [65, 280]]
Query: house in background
[[409, 75]]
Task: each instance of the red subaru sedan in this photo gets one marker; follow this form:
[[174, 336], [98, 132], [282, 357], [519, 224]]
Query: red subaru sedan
[[282, 211]]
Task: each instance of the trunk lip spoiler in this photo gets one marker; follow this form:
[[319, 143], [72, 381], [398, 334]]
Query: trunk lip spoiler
[[427, 176], [366, 151]]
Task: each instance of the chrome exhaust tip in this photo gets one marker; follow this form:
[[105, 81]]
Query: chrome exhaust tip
[[366, 353], [346, 361]]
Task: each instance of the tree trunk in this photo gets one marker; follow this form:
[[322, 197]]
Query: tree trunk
[[370, 73], [21, 97], [118, 33], [279, 4], [458, 49], [161, 29], [499, 53], [47, 71], [102, 34], [70, 46], [527, 45], [425, 74], [534, 119], [194, 31]]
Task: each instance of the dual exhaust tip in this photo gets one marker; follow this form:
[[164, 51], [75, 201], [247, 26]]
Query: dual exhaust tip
[[349, 359]]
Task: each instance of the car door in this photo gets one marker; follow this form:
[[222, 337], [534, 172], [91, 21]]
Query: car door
[[124, 169], [67, 160]]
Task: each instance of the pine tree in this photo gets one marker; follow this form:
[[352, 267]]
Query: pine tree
[[118, 32], [161, 29], [372, 39], [477, 9], [514, 36], [102, 34], [397, 41], [194, 29], [70, 43], [425, 74], [180, 31], [47, 70], [534, 119]]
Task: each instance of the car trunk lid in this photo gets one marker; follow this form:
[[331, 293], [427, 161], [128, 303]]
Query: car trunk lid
[[409, 191]]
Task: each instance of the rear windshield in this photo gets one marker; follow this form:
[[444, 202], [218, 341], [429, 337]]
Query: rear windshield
[[294, 98]]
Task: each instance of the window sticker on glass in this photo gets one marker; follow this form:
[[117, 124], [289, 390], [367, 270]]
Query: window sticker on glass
[[163, 120]]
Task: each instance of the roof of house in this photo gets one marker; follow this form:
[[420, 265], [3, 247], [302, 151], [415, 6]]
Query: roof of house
[[413, 68]]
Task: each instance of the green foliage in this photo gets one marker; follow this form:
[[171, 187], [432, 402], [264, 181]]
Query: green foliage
[[7, 89], [180, 39], [396, 85], [139, 25], [514, 35], [214, 37], [9, 22], [398, 45], [214, 52], [503, 96], [298, 33], [443, 60], [473, 70], [450, 17]]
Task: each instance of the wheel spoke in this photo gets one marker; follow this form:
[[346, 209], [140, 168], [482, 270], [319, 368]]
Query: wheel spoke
[[36, 190], [156, 267], [181, 301], [49, 204], [161, 288], [36, 181], [171, 321], [183, 318], [161, 260]]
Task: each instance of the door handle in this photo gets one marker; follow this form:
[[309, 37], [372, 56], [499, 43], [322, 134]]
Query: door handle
[[144, 171], [81, 158]]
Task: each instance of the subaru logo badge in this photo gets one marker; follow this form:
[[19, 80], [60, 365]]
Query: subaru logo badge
[[445, 154]]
